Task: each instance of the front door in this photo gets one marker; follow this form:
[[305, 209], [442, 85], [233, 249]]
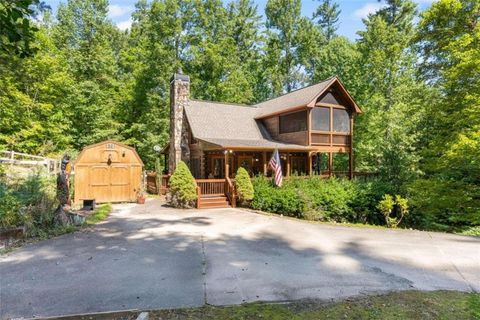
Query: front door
[[217, 168], [245, 162]]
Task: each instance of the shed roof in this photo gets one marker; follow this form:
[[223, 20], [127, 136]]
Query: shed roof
[[84, 150]]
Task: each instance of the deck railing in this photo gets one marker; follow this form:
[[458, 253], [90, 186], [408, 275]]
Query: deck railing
[[328, 174], [164, 183], [212, 187], [230, 192]]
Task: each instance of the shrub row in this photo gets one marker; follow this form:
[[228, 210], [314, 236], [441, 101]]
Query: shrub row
[[339, 200]]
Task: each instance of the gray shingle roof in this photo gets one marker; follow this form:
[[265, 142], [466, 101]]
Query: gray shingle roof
[[234, 125], [300, 97], [230, 125]]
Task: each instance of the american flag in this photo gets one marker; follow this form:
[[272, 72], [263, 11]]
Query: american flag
[[277, 168]]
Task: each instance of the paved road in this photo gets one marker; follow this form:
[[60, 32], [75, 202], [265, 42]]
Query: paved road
[[155, 257]]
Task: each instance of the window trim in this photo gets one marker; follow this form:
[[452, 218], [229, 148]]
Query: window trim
[[333, 122], [329, 114], [331, 107]]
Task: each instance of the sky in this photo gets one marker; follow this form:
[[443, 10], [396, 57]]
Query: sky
[[352, 12]]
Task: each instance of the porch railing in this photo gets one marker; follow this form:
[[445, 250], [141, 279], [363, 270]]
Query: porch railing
[[230, 192], [164, 183], [211, 187]]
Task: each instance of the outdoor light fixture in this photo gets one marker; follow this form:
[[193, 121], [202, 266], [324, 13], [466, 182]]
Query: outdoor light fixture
[[123, 153]]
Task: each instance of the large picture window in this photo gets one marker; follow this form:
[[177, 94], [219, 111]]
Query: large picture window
[[321, 119], [341, 120], [293, 122]]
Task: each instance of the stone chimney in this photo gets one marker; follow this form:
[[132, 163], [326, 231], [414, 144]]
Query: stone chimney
[[179, 98]]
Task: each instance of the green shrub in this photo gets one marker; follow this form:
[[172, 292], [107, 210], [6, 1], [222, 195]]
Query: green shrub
[[10, 214], [284, 200], [339, 200], [243, 185], [182, 187], [29, 200]]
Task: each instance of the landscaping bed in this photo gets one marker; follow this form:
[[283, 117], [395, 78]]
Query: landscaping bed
[[361, 202], [16, 237], [396, 305]]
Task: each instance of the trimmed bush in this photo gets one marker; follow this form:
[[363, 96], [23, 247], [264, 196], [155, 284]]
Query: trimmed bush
[[182, 187], [244, 185]]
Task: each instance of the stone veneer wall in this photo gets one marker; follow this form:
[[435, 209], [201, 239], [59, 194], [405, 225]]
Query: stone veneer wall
[[179, 98]]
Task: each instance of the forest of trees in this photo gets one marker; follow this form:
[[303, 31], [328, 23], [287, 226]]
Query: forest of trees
[[79, 79]]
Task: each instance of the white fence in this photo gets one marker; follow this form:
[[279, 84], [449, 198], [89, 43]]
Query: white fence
[[26, 162]]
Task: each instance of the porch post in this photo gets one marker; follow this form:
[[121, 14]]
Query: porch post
[[288, 164], [350, 169], [264, 156], [227, 165], [165, 165], [351, 149], [310, 165], [330, 164]]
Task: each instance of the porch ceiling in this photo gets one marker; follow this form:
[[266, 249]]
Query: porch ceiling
[[260, 144]]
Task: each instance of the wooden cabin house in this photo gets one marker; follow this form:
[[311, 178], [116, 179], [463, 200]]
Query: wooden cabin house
[[311, 127]]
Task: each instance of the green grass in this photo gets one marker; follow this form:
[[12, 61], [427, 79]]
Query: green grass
[[100, 214], [396, 305], [472, 231]]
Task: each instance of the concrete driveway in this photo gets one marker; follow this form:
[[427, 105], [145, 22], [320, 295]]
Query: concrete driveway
[[151, 256]]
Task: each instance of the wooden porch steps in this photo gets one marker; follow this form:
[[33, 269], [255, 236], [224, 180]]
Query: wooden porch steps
[[213, 201]]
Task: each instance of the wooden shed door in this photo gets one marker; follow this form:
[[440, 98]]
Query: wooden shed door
[[100, 183], [110, 183], [120, 183]]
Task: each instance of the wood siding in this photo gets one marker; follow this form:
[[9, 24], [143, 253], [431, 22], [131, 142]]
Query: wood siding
[[272, 125]]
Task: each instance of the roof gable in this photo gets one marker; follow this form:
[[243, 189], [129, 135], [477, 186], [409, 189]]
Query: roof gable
[[84, 150], [288, 101], [304, 97]]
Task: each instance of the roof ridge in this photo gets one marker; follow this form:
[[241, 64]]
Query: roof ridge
[[287, 93], [226, 103]]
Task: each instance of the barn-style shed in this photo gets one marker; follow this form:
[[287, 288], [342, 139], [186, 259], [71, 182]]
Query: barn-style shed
[[108, 171]]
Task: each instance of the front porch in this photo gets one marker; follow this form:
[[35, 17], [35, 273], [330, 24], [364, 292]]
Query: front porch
[[214, 170], [225, 163]]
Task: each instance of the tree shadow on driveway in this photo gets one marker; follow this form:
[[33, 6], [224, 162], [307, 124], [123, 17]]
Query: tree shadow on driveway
[[178, 258]]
